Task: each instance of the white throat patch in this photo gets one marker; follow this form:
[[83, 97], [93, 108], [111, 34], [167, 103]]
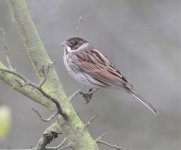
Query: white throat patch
[[68, 49], [84, 46]]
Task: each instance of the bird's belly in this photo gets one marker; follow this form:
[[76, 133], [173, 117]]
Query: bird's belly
[[82, 77]]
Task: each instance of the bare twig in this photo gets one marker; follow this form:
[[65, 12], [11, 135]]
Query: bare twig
[[38, 56], [45, 74], [62, 143], [90, 121], [45, 70], [49, 134], [43, 119], [65, 147], [3, 33], [79, 23], [5, 47], [73, 95], [55, 101], [110, 145], [27, 82], [9, 64], [20, 149], [58, 147], [101, 136], [100, 141], [13, 72]]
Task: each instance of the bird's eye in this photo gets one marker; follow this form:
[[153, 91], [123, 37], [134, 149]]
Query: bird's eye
[[72, 42]]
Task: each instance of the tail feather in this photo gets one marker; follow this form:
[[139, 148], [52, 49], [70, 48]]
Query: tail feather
[[145, 102]]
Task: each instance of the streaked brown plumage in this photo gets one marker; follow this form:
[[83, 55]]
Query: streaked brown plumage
[[93, 69]]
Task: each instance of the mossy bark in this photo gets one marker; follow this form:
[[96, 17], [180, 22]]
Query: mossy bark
[[73, 129]]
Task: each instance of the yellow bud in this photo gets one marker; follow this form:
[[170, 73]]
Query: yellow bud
[[5, 121]]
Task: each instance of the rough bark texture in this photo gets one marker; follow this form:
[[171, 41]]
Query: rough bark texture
[[73, 129]]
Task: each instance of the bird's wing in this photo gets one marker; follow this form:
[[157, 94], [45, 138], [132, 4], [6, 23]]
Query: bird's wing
[[100, 68]]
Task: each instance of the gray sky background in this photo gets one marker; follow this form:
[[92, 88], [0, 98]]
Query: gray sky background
[[140, 37]]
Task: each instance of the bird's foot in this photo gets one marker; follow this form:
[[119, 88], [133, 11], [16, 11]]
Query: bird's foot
[[87, 96]]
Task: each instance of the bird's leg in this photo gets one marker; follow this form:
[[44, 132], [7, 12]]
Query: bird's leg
[[75, 93], [87, 96]]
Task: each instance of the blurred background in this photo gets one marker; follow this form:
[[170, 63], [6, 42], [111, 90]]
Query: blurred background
[[141, 37]]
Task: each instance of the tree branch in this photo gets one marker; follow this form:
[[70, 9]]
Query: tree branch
[[5, 46], [38, 88], [43, 119], [58, 147], [49, 134], [15, 80], [111, 145], [100, 141], [90, 121], [73, 129]]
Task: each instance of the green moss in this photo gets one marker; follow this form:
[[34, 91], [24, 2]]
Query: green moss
[[73, 129]]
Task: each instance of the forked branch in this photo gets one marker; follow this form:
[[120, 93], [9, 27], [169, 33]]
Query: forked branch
[[37, 87]]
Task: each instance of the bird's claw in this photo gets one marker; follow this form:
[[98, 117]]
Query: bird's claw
[[87, 96]]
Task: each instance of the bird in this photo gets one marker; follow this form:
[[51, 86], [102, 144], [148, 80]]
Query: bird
[[93, 69]]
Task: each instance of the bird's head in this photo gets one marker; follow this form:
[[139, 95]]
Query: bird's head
[[73, 44]]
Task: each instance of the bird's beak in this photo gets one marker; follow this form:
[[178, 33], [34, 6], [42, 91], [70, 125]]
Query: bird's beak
[[63, 43]]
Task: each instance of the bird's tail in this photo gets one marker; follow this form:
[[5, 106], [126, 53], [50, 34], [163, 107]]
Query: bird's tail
[[144, 101]]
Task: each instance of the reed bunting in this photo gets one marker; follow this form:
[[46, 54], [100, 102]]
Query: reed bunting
[[93, 69]]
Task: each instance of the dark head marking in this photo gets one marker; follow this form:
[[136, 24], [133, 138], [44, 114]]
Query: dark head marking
[[75, 42]]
